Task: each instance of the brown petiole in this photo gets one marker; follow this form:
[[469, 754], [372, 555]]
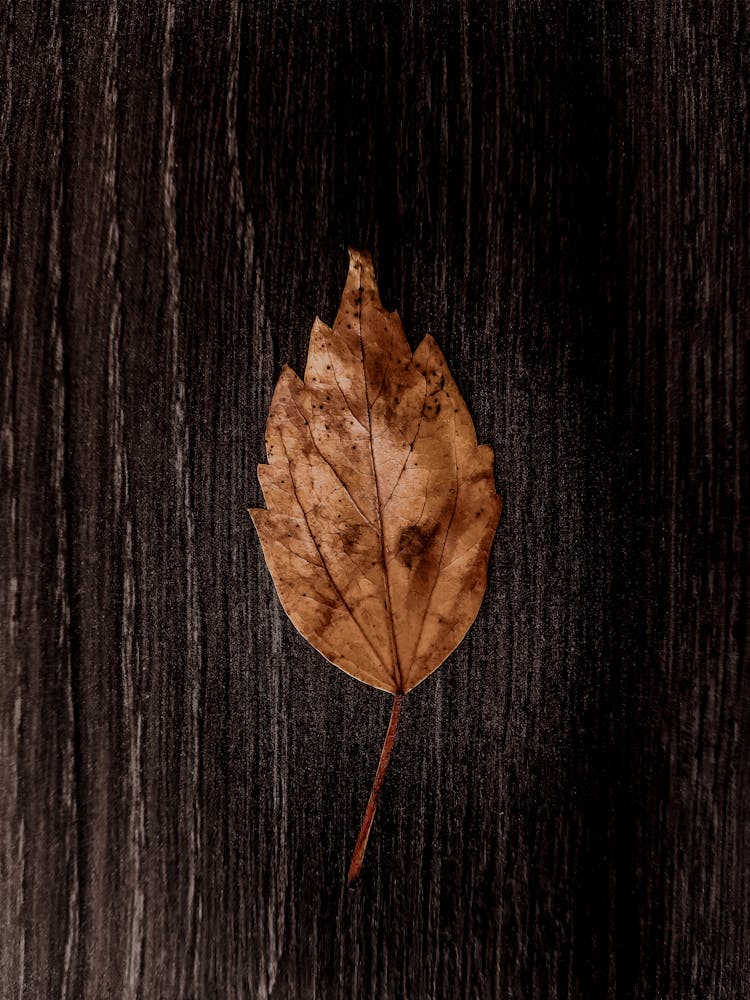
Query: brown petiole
[[361, 846]]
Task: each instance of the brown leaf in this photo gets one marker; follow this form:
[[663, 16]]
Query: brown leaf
[[381, 506]]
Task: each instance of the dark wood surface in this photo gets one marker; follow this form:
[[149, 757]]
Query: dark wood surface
[[559, 193]]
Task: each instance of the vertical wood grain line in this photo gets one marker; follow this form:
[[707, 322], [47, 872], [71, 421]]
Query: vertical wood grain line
[[12, 850], [72, 966], [122, 518], [189, 964]]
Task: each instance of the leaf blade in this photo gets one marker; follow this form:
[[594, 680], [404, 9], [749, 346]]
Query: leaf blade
[[374, 474]]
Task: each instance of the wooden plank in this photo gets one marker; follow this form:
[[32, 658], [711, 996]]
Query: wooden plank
[[559, 194]]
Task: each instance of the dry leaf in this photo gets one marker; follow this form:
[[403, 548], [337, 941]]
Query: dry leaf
[[381, 505]]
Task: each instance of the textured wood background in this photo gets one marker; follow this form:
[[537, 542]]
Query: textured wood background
[[559, 193]]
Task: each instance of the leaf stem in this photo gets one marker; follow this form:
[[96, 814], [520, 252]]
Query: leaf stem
[[361, 846]]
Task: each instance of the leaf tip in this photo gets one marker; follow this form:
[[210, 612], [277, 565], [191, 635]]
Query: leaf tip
[[359, 257], [360, 263]]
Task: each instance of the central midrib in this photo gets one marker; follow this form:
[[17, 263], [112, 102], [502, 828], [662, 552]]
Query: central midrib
[[381, 534]]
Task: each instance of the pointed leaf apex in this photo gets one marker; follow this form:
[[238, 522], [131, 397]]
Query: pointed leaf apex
[[359, 257], [360, 262]]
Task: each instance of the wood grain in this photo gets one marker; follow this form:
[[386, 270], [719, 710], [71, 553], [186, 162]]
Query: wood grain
[[559, 193]]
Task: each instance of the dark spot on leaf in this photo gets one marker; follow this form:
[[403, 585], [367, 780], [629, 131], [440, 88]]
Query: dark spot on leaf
[[414, 540]]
